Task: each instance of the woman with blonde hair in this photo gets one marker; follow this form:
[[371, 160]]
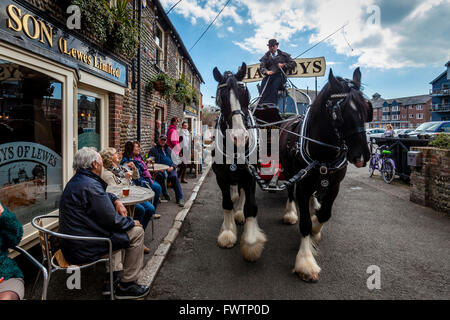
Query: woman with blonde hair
[[115, 174], [389, 131]]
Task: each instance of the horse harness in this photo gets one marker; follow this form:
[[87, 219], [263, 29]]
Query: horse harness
[[325, 169], [234, 112], [333, 106]]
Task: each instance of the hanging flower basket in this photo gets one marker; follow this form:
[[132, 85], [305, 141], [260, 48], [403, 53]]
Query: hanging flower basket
[[159, 85]]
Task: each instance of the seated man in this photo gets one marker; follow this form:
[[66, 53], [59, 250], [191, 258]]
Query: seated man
[[86, 209], [163, 155], [274, 79]]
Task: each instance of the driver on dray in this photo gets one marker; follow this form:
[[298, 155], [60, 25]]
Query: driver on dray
[[274, 79]]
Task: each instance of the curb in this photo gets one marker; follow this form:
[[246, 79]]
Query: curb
[[151, 269]]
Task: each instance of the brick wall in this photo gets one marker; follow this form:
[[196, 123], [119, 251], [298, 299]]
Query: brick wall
[[123, 110], [430, 183]]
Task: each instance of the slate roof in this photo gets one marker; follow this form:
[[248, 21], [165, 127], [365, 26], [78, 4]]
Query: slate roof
[[405, 101]]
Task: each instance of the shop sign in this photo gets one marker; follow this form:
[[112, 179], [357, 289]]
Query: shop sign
[[305, 67], [192, 109], [17, 21]]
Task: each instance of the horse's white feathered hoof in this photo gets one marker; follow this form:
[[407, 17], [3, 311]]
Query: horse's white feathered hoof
[[228, 232], [305, 263], [227, 239], [290, 213], [239, 217], [252, 240]]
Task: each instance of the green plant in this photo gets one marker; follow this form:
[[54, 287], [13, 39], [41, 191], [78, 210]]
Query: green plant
[[442, 141], [97, 22], [168, 84], [124, 30], [181, 90], [112, 26], [195, 98]]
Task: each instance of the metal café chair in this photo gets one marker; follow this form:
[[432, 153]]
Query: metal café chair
[[39, 266], [147, 185], [56, 260]]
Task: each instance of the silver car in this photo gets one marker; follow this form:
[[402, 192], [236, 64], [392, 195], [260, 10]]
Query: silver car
[[374, 133]]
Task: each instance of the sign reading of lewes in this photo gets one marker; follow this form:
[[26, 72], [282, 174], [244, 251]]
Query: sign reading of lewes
[[306, 67], [46, 36]]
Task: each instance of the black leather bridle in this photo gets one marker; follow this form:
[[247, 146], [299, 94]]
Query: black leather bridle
[[245, 117]]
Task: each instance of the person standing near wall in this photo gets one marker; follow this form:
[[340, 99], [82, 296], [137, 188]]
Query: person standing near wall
[[185, 155]]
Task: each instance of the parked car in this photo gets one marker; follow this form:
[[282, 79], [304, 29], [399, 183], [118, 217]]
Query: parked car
[[428, 129], [374, 133], [402, 132]]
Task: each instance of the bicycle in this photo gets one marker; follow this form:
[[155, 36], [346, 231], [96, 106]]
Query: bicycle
[[384, 164]]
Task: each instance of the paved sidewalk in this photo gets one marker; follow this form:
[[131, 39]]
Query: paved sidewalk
[[92, 278]]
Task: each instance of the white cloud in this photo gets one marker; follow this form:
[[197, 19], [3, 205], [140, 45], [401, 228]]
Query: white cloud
[[411, 32], [206, 11], [230, 29]]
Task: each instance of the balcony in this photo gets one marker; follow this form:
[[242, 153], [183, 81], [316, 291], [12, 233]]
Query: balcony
[[440, 92], [440, 108]]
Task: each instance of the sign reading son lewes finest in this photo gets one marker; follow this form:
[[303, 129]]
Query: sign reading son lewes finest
[[18, 21], [307, 67]]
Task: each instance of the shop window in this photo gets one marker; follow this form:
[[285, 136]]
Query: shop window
[[30, 141], [88, 121]]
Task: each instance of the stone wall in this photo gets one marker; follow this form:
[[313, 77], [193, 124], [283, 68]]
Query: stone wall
[[430, 183]]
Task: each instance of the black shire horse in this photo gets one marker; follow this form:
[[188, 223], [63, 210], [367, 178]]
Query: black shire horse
[[236, 183], [333, 131]]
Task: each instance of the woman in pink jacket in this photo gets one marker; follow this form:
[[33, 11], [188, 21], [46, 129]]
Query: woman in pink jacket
[[173, 140]]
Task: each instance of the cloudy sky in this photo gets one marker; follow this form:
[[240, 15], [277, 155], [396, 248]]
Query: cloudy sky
[[400, 45]]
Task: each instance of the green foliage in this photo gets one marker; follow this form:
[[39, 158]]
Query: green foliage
[[195, 98], [441, 141], [125, 30], [98, 22], [182, 92], [113, 27], [169, 84]]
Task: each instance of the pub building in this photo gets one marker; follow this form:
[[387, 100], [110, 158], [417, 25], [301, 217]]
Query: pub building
[[61, 90]]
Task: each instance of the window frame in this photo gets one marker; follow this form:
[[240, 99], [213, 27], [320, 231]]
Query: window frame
[[160, 63], [104, 114]]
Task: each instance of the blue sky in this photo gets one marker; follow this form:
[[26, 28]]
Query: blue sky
[[399, 45]]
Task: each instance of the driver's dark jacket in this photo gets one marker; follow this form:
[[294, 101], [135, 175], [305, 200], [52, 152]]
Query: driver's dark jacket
[[271, 64], [86, 209]]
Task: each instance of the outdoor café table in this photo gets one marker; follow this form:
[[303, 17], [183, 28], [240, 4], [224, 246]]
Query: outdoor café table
[[137, 195], [157, 167]]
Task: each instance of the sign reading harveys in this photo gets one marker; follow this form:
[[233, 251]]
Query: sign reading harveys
[[306, 67]]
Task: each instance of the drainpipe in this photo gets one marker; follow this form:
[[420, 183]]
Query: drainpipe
[[133, 62], [139, 74]]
